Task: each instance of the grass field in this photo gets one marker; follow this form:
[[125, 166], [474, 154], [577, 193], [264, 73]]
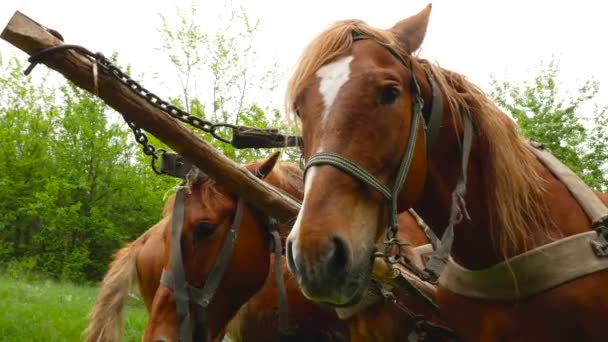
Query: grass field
[[51, 311]]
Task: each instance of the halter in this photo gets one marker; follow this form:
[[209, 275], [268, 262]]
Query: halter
[[431, 122], [184, 293]]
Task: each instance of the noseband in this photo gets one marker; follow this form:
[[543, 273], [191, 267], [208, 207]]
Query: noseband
[[184, 293], [431, 120]]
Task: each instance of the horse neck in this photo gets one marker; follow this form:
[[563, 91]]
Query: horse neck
[[229, 305], [476, 243]]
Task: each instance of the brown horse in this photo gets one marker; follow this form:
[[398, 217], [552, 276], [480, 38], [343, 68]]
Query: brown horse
[[143, 260], [357, 93]]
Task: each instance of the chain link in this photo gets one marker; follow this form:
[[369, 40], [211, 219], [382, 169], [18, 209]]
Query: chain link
[[156, 101], [148, 149], [107, 67]]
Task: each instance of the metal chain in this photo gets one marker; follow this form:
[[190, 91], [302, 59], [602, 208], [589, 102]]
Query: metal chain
[[148, 148], [204, 125], [177, 113]]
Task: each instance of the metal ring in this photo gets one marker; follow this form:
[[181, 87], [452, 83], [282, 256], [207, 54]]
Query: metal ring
[[221, 125], [155, 158]]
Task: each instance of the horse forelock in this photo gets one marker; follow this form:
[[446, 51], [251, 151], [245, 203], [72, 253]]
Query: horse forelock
[[329, 44]]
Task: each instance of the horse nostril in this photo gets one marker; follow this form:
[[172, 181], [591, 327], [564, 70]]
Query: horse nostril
[[339, 258]]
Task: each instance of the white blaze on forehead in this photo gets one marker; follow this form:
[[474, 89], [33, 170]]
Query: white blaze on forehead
[[333, 76]]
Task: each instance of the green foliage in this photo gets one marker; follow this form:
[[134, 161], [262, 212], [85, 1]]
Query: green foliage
[[51, 311], [71, 189], [568, 125]]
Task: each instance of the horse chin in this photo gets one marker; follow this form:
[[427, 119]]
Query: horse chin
[[353, 290]]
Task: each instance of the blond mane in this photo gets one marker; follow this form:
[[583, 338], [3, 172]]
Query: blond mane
[[514, 186]]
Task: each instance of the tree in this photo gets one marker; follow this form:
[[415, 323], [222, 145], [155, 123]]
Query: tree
[[221, 64], [71, 192], [569, 125]]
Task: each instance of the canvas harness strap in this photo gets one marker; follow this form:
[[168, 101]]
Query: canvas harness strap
[[175, 278]]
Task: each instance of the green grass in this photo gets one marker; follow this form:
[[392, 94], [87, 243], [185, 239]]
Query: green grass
[[51, 311]]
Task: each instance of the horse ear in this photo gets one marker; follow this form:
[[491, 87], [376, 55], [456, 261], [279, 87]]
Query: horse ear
[[411, 31], [268, 165]]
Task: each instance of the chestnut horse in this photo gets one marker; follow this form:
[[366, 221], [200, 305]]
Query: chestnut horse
[[143, 260], [379, 123]]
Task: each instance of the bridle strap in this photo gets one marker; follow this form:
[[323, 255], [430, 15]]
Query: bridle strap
[[406, 161], [204, 297], [439, 258], [282, 298], [353, 169], [349, 167], [183, 292], [175, 279], [433, 120]]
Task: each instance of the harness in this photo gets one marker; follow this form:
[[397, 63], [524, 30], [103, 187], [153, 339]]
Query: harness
[[175, 279], [431, 120]]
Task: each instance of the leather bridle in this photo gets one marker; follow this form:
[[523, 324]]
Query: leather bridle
[[184, 293], [431, 120]]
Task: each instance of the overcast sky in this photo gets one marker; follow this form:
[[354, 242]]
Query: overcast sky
[[480, 38]]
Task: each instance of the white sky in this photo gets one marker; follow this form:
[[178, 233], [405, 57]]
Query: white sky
[[480, 38]]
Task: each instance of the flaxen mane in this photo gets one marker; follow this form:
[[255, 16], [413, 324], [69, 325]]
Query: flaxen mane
[[514, 186]]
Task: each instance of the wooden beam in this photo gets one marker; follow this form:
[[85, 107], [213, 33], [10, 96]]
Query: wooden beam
[[31, 37]]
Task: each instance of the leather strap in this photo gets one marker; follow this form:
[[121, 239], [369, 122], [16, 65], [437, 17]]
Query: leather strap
[[440, 257], [175, 278], [435, 115], [356, 171], [217, 273], [282, 292], [349, 167]]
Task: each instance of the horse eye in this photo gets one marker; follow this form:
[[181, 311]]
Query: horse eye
[[388, 95], [203, 230]]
